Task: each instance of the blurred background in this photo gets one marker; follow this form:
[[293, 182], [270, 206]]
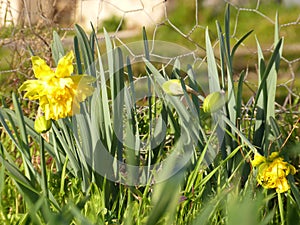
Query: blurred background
[[27, 25]]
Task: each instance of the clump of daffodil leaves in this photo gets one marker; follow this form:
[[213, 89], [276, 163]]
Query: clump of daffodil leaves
[[272, 172], [58, 91]]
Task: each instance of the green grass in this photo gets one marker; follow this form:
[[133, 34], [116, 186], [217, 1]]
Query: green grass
[[4, 66]]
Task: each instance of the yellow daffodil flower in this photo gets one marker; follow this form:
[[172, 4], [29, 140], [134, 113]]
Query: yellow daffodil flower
[[58, 91], [272, 172]]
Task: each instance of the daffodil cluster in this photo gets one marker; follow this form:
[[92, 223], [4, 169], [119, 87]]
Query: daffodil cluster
[[59, 91], [272, 172]]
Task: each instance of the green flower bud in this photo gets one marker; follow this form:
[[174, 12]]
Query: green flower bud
[[41, 125], [173, 87], [214, 101]]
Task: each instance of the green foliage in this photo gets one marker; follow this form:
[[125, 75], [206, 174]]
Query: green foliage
[[80, 179], [114, 23]]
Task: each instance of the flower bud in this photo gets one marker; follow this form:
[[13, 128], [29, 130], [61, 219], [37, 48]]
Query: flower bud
[[173, 87], [214, 101], [41, 125]]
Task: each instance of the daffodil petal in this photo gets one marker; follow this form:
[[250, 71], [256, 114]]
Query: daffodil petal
[[258, 159], [33, 88], [273, 155], [282, 185], [65, 67], [82, 87], [41, 69]]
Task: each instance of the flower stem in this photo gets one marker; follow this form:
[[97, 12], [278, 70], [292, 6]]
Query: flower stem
[[281, 212], [43, 168]]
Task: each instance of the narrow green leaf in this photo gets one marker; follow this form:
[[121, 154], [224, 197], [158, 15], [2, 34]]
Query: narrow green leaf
[[66, 131], [86, 149], [78, 215], [195, 172], [29, 169], [276, 131], [227, 34], [102, 94], [111, 68], [77, 56], [240, 41], [44, 183], [214, 84], [239, 99], [146, 45], [226, 62], [295, 190], [11, 116], [149, 96], [272, 78], [21, 123], [275, 55], [131, 138], [118, 103], [240, 134], [164, 198], [292, 210], [6, 128], [222, 54], [24, 184], [221, 164], [261, 99], [187, 120], [276, 38], [265, 99], [130, 102], [203, 217], [93, 38], [57, 48], [66, 149], [87, 53]]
